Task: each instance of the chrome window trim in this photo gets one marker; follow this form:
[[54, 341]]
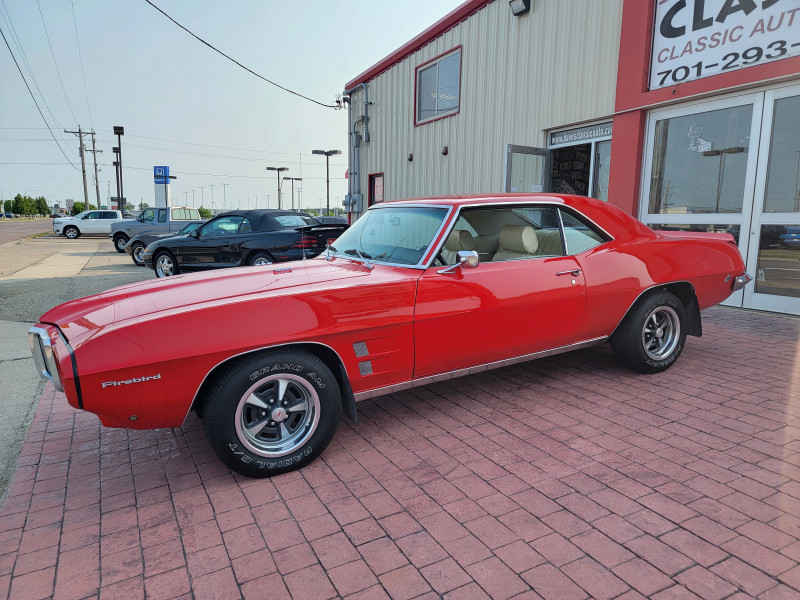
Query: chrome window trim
[[399, 387], [511, 206]]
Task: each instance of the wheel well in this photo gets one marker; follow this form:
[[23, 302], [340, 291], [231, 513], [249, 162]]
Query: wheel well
[[684, 291], [324, 353], [120, 234], [252, 255]]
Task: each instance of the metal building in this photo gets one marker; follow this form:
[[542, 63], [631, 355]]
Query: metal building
[[685, 113]]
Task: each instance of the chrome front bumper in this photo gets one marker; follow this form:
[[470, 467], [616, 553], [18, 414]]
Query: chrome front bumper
[[44, 356]]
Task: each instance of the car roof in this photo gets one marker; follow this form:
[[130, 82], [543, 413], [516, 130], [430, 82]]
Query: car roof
[[616, 222], [262, 219]]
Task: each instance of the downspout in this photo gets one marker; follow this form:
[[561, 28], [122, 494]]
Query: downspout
[[353, 164]]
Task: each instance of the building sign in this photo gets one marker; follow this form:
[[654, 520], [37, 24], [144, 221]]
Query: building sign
[[161, 175], [581, 135], [698, 38]]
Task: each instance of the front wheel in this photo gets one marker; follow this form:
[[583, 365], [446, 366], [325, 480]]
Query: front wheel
[[72, 233], [165, 265], [120, 241], [137, 254], [652, 336], [273, 412]]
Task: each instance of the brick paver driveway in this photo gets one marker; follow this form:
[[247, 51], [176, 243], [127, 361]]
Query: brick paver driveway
[[564, 478]]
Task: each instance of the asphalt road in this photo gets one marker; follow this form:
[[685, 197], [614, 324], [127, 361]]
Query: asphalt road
[[37, 274], [17, 229]]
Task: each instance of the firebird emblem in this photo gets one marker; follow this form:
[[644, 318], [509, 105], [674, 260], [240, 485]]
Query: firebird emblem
[[130, 381]]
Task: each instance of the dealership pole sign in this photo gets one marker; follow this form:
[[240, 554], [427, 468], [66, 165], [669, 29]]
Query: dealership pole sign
[[698, 38]]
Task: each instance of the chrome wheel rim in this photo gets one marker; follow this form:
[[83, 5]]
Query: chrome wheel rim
[[164, 266], [138, 253], [260, 262], [661, 332], [277, 415], [71, 234], [121, 243]]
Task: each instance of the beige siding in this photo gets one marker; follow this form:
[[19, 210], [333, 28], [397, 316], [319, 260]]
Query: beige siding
[[520, 76]]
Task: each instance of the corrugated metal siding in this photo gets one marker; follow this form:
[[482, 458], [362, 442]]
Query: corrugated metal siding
[[554, 67]]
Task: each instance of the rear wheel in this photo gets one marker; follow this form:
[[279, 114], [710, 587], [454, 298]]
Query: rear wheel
[[72, 233], [165, 265], [272, 412], [652, 336], [137, 254], [260, 259], [119, 242]]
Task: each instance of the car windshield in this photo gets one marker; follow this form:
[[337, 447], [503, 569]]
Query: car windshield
[[291, 221], [397, 235], [189, 228]]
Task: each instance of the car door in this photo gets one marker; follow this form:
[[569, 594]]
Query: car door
[[92, 222], [162, 223], [513, 304], [212, 246]]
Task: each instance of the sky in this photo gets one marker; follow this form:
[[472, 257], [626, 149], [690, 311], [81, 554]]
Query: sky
[[183, 105]]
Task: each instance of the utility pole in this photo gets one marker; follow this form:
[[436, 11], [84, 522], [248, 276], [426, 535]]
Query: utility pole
[[212, 197], [80, 135], [224, 195], [96, 180]]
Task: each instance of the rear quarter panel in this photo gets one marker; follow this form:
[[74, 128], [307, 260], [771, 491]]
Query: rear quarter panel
[[618, 272]]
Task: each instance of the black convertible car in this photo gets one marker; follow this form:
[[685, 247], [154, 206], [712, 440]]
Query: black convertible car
[[242, 237], [136, 245]]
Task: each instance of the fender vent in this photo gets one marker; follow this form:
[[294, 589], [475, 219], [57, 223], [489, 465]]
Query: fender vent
[[360, 349], [365, 367]]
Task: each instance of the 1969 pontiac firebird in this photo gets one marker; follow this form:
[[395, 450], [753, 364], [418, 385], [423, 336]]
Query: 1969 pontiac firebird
[[416, 291]]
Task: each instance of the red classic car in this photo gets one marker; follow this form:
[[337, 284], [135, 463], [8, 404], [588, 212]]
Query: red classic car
[[414, 292]]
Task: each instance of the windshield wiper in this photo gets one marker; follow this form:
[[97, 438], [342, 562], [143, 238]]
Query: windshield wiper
[[362, 255]]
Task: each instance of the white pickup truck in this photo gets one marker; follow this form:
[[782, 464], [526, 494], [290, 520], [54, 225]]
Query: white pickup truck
[[155, 220], [89, 221]]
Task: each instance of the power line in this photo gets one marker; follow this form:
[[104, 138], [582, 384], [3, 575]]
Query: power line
[[34, 99], [61, 81], [240, 64], [80, 56], [18, 44]]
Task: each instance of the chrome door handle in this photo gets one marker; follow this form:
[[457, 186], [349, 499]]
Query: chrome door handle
[[573, 272]]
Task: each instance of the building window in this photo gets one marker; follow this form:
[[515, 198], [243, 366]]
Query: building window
[[438, 87]]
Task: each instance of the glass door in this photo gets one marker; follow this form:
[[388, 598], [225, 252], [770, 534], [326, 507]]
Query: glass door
[[700, 169], [774, 254], [525, 168]]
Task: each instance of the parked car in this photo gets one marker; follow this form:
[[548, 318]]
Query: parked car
[[152, 220], [791, 238], [414, 292], [89, 221], [242, 237], [332, 220], [136, 245]]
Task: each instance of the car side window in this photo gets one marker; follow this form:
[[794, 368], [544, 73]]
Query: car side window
[[579, 234], [245, 226], [162, 215], [109, 215], [92, 215], [147, 216], [221, 227]]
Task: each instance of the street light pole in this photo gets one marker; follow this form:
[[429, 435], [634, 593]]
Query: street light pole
[[293, 179], [119, 132], [327, 154], [224, 195], [278, 170]]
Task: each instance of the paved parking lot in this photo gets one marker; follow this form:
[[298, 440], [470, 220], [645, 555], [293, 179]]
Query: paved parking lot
[[563, 478]]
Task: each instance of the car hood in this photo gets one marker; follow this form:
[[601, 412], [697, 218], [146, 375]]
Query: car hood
[[82, 318]]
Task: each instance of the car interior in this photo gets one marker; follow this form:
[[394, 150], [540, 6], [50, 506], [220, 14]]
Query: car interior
[[499, 234]]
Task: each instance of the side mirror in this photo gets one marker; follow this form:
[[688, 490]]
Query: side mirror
[[195, 233], [467, 259]]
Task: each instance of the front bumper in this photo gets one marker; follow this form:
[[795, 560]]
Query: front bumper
[[44, 356]]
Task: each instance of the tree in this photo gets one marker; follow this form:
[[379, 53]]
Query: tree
[[41, 206], [204, 213], [129, 206], [23, 205], [7, 206], [77, 207], [143, 205]]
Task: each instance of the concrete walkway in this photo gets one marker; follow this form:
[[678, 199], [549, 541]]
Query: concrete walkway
[[564, 478]]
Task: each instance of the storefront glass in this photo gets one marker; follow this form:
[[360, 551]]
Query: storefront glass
[[602, 168], [699, 162], [778, 268], [783, 175]]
